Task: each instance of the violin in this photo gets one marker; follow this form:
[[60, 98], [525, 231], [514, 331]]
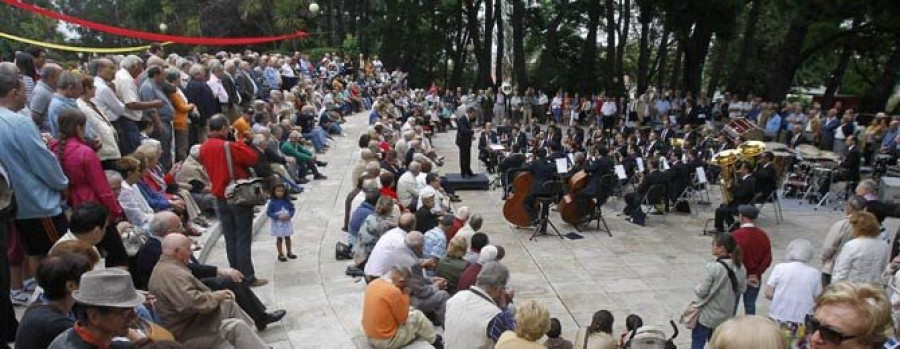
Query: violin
[[514, 207]]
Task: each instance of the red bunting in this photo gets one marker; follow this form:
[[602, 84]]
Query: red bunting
[[136, 34]]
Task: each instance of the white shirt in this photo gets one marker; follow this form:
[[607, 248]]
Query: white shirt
[[137, 210], [796, 285], [441, 202], [107, 101], [102, 129], [217, 88], [127, 92], [608, 108], [389, 243], [407, 188]]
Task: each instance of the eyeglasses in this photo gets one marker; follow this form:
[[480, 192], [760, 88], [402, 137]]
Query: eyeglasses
[[828, 334]]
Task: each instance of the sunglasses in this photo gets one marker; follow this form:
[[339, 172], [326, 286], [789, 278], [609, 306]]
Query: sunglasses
[[828, 334]]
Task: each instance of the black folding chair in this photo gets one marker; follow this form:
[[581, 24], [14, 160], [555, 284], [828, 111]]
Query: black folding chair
[[552, 190], [656, 191]]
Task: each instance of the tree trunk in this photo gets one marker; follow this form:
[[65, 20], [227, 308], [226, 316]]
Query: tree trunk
[[695, 50], [610, 60], [329, 20], [676, 64], [520, 71], [788, 59], [663, 54], [484, 52], [498, 14], [643, 76], [588, 76], [341, 33], [363, 23], [876, 98], [837, 75], [625, 17], [739, 80], [714, 76], [549, 60]]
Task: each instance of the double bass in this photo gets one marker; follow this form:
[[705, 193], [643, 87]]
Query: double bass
[[568, 208], [514, 207]]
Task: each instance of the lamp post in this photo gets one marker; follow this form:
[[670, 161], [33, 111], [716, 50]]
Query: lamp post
[[314, 8], [163, 27]]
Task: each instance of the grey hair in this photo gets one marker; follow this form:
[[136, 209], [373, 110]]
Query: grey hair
[[366, 154], [50, 70], [259, 139], [159, 224], [195, 151], [402, 270], [196, 70], [463, 213], [373, 168], [67, 79], [215, 66], [9, 80], [229, 64], [493, 274], [370, 184], [94, 66], [868, 185], [856, 202], [475, 221], [799, 250], [113, 175], [173, 74], [414, 239], [130, 62]]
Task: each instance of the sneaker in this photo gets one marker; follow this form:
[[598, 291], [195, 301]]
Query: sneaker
[[29, 285], [19, 297]]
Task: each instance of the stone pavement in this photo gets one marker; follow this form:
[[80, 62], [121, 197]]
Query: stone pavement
[[649, 271]]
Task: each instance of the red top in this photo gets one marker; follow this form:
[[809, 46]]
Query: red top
[[387, 191], [87, 182], [468, 277], [212, 156], [457, 225], [756, 248]]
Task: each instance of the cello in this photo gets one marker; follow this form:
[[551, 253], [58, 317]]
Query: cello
[[514, 207], [568, 208]]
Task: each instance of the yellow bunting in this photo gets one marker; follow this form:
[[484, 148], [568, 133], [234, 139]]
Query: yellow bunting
[[75, 48]]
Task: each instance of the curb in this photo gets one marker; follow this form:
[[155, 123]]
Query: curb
[[215, 232]]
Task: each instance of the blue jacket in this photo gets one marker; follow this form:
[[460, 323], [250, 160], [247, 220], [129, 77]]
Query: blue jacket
[[34, 172], [275, 205], [359, 216], [157, 201]]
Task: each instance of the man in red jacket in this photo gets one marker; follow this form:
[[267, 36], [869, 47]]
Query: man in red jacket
[[236, 221], [757, 253]]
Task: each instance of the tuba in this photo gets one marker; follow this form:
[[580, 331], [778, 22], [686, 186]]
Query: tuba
[[727, 160], [751, 150]]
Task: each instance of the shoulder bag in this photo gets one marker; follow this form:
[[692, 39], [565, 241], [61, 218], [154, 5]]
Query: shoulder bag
[[691, 313], [243, 192]]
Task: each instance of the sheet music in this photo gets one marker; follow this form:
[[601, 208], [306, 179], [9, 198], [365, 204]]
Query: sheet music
[[571, 158], [640, 164], [620, 172], [562, 165], [664, 162], [496, 147], [701, 175]]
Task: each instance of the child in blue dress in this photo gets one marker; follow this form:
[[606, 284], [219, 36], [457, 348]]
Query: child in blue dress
[[280, 210]]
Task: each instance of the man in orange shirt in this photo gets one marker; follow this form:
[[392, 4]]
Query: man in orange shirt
[[387, 319], [242, 125]]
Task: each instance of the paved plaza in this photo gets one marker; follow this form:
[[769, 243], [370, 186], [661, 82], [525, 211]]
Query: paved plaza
[[649, 271]]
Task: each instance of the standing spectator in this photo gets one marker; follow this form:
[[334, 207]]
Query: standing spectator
[[201, 95], [864, 257], [25, 62], [104, 133], [68, 89], [478, 316], [236, 221], [724, 282], [793, 288], [172, 87], [33, 171], [108, 105], [387, 319], [757, 251], [162, 116], [838, 235], [281, 210], [127, 91], [43, 94], [216, 72]]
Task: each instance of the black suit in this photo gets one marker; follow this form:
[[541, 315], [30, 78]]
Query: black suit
[[796, 140], [149, 254], [594, 188], [542, 170], [520, 143], [244, 88], [230, 88], [766, 181], [633, 200], [742, 194], [679, 175], [851, 163], [464, 135]]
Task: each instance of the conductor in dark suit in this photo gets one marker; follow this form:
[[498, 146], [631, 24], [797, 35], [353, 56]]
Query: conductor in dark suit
[[653, 177], [741, 194], [464, 136], [542, 170]]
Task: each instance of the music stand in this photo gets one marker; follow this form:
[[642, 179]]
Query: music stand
[[552, 188]]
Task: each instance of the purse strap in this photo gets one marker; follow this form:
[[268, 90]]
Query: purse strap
[[731, 278], [229, 161]]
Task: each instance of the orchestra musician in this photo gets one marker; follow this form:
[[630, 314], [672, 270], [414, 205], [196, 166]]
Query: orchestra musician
[[518, 141], [653, 145], [542, 170], [691, 136], [765, 175], [667, 133], [741, 194], [487, 138], [596, 167], [633, 200], [679, 175]]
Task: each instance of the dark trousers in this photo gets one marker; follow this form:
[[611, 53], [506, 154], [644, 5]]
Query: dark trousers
[[304, 166], [165, 138], [632, 204], [130, 135], [244, 297], [465, 160], [237, 228], [115, 250], [8, 323], [725, 216]]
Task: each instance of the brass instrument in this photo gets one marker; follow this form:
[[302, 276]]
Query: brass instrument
[[727, 160], [750, 151], [678, 142]]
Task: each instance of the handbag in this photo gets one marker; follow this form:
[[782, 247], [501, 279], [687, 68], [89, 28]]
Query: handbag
[[691, 312], [243, 192]]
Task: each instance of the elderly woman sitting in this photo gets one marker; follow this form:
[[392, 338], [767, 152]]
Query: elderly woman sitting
[[793, 287], [193, 174], [532, 322], [155, 185]]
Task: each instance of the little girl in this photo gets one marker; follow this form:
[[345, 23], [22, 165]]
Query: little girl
[[280, 210]]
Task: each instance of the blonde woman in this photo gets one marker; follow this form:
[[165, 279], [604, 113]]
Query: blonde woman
[[532, 323], [452, 267], [863, 258], [747, 332], [850, 315]]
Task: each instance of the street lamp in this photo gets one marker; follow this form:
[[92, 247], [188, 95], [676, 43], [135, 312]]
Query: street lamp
[[163, 27], [314, 8]]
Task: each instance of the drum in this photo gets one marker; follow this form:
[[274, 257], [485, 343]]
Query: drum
[[808, 152], [775, 146], [829, 156], [782, 161]]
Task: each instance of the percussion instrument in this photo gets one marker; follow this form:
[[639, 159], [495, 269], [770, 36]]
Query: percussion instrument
[[829, 156], [568, 208], [742, 128], [781, 160], [776, 146], [807, 152], [514, 207], [751, 149]]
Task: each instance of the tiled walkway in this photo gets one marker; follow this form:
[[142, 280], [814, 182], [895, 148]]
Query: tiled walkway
[[650, 271]]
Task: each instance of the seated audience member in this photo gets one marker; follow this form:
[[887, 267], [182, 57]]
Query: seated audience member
[[408, 187], [375, 225], [306, 160], [478, 316], [58, 276], [554, 337], [747, 332], [850, 315], [470, 275], [362, 211], [196, 315], [532, 322], [389, 247], [476, 243], [599, 334], [87, 224], [193, 174], [460, 219], [452, 267], [106, 300], [436, 239], [426, 218], [468, 230], [387, 319], [137, 209], [216, 278]]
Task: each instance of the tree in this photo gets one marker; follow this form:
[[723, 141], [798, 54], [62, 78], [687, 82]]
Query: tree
[[589, 50], [520, 73]]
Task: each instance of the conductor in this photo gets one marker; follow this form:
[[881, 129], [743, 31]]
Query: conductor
[[464, 135]]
